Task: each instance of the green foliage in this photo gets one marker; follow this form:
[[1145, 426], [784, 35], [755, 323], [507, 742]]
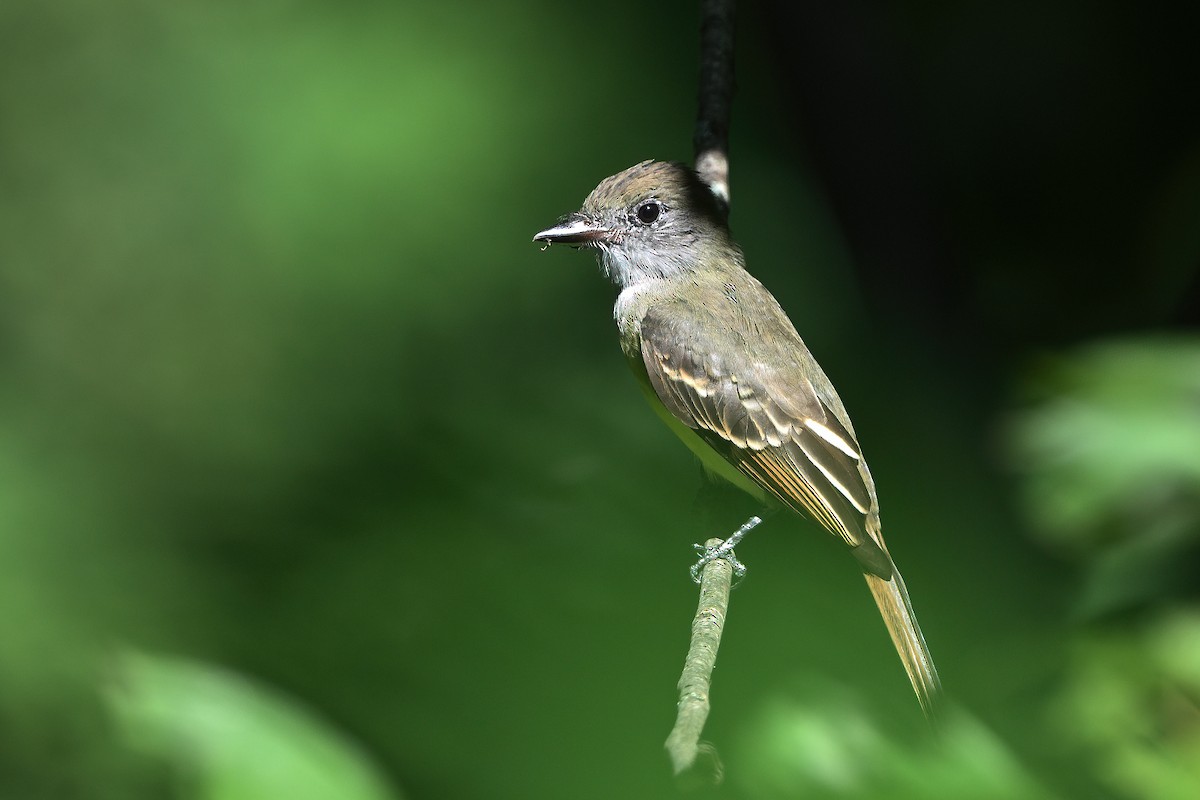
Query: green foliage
[[1130, 706], [227, 738], [829, 746], [1114, 442], [1111, 457]]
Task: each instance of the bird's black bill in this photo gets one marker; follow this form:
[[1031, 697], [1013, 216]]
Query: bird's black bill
[[573, 229]]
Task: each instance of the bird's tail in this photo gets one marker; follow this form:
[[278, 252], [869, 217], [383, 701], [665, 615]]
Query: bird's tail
[[892, 599]]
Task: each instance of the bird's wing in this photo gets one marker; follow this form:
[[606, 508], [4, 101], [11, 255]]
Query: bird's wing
[[767, 419], [764, 405]]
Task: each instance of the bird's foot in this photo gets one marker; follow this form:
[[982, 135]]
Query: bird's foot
[[724, 551]]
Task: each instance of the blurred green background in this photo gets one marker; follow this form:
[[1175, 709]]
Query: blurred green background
[[317, 479]]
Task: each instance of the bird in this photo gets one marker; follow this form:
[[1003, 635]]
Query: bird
[[723, 365]]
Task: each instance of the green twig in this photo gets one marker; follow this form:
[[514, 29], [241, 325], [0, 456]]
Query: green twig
[[684, 745]]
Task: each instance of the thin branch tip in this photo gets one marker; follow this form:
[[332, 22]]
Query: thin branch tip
[[683, 744]]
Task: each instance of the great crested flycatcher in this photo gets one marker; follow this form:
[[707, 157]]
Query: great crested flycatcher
[[723, 365]]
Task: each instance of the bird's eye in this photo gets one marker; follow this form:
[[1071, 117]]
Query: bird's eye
[[648, 211]]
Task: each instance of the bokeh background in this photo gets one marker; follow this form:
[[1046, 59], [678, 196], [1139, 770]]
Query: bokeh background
[[317, 479]]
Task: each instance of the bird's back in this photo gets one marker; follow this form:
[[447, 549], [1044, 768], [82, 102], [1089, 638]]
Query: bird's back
[[725, 361]]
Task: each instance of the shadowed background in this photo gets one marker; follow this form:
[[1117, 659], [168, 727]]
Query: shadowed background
[[317, 479]]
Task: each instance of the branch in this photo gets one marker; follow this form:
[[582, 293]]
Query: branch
[[711, 137], [683, 745]]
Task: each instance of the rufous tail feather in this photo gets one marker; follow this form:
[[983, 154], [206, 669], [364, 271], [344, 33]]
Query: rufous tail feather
[[892, 598]]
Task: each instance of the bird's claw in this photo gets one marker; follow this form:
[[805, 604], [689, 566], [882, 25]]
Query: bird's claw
[[724, 551], [711, 554]]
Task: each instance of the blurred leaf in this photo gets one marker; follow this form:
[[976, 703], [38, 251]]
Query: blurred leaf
[[1117, 422], [1109, 454], [231, 739], [1130, 704], [833, 747], [1175, 644]]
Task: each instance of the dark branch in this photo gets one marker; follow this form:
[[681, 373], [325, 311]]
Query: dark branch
[[711, 137]]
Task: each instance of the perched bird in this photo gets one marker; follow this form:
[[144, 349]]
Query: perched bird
[[723, 365]]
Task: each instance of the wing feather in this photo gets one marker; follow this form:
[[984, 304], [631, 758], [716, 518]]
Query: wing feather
[[766, 418], [777, 419]]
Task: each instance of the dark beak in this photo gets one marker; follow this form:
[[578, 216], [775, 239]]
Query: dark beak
[[573, 229]]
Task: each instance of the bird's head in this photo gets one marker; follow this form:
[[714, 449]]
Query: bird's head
[[654, 220]]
